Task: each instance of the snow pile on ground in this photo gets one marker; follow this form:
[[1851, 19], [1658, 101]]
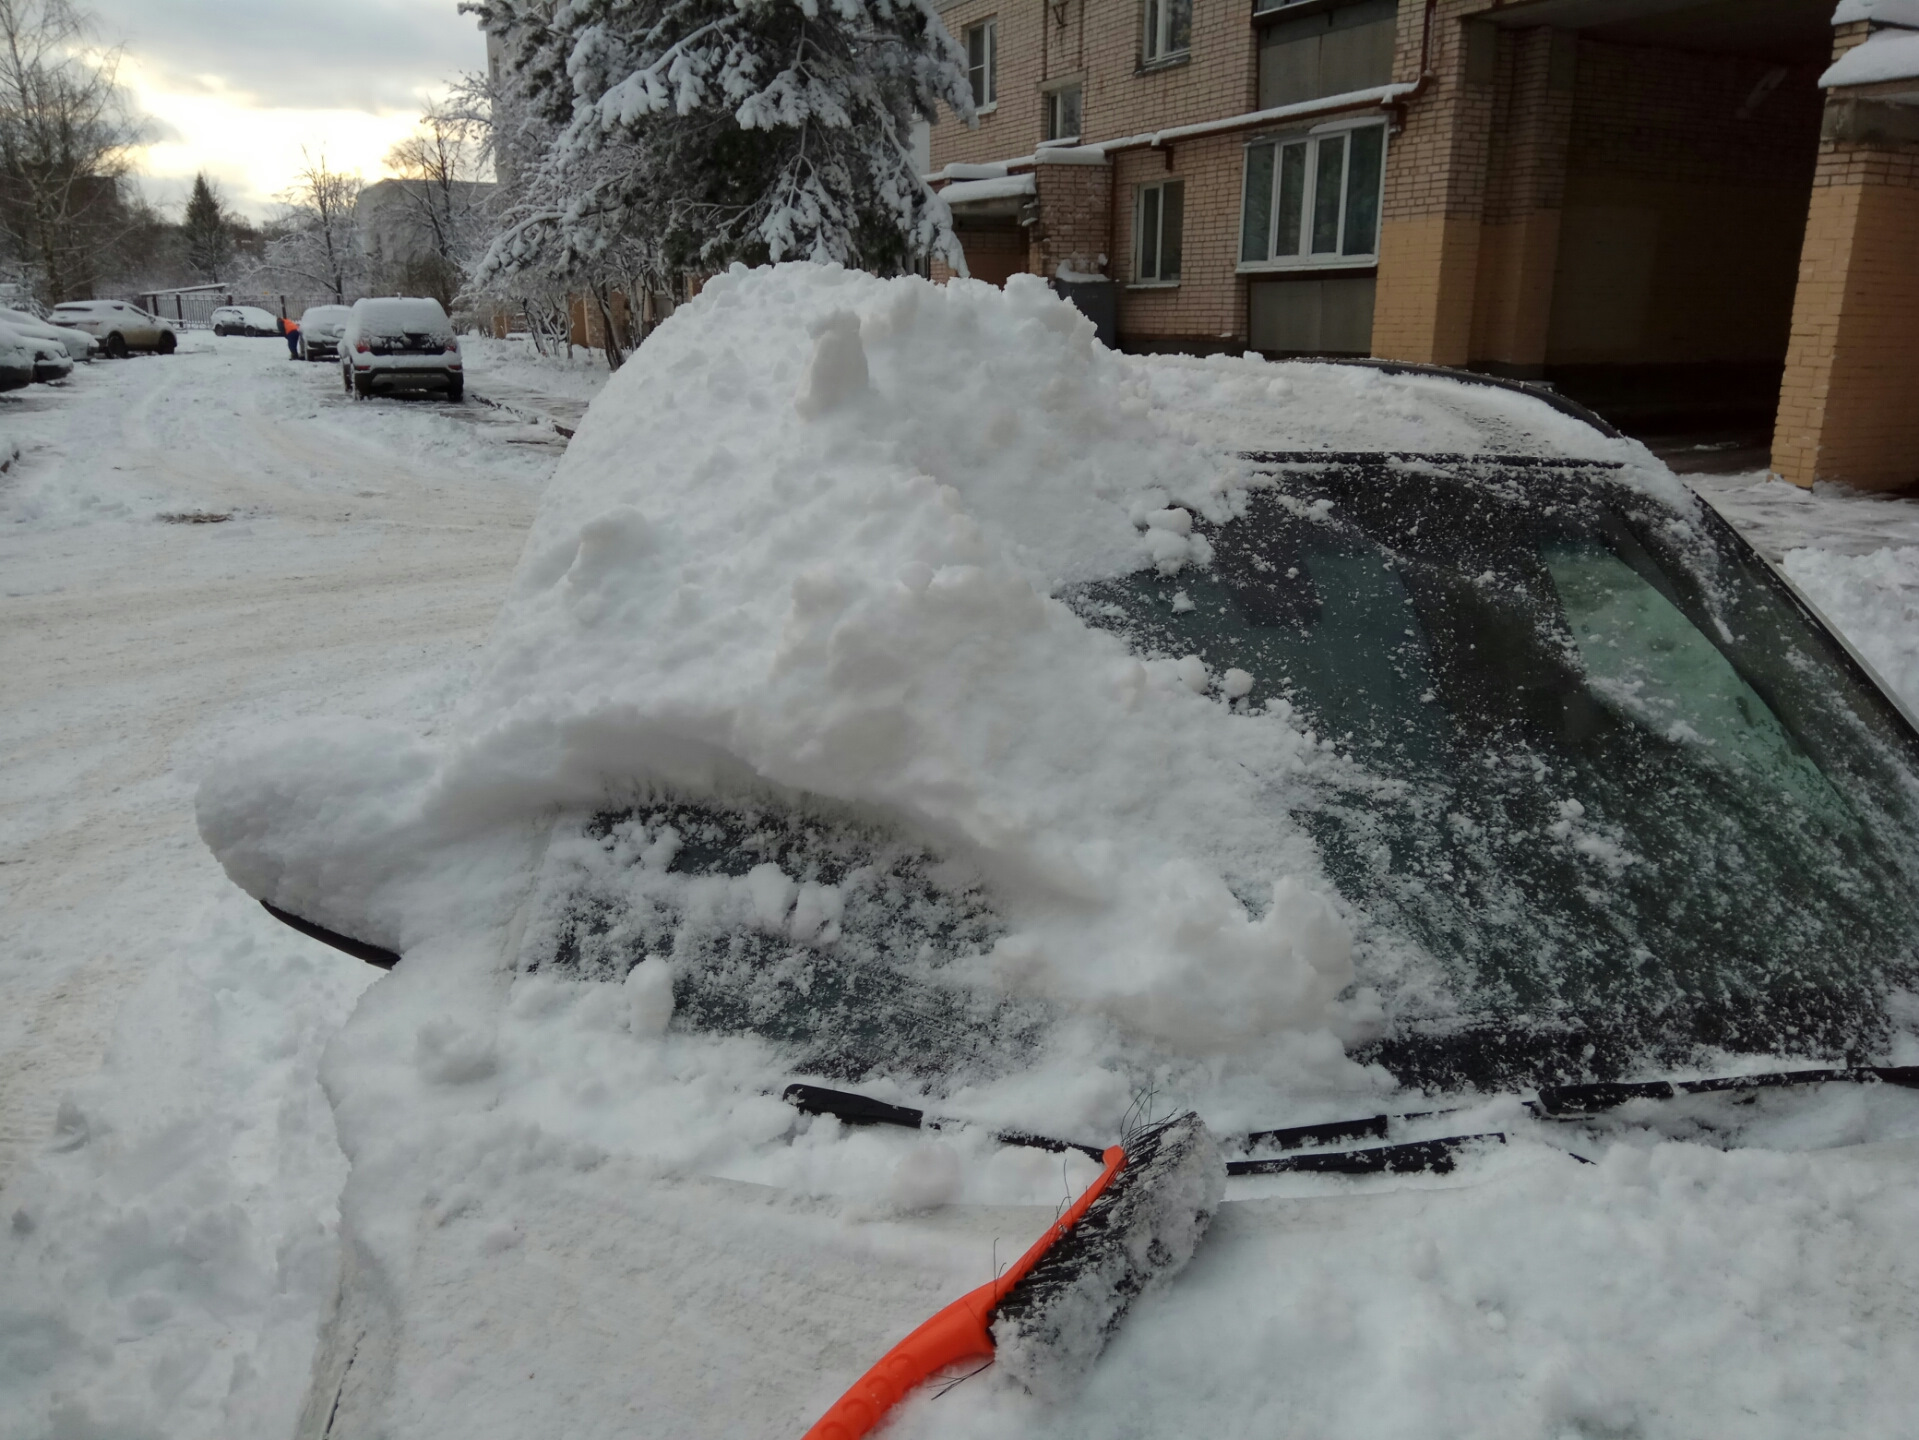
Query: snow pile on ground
[[571, 373], [1874, 601], [169, 1173]]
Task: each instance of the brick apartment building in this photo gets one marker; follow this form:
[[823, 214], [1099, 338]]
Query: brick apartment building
[[1696, 213]]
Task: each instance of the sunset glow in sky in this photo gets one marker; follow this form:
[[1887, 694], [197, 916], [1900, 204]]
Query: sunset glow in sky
[[238, 87]]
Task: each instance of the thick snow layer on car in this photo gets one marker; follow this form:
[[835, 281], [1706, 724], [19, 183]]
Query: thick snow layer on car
[[803, 551], [831, 575]]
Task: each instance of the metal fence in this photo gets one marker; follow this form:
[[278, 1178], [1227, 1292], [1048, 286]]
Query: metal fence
[[191, 307]]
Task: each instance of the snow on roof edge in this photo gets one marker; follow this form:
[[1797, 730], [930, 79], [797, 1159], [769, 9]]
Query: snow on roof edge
[[1882, 56], [962, 192], [1878, 12]]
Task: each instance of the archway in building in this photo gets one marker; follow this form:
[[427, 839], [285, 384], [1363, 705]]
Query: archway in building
[[1689, 157]]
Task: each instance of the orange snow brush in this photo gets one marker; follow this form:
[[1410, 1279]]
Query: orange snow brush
[[1048, 1317]]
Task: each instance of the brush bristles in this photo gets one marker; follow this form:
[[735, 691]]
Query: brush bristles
[[1051, 1328]]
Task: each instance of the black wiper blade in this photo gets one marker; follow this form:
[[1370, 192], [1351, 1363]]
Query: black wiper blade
[[853, 1109], [1573, 1101], [1432, 1157]]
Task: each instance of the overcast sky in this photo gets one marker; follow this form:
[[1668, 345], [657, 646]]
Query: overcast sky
[[237, 87]]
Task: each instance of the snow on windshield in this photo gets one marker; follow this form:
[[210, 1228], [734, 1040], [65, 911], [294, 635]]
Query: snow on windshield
[[805, 542]]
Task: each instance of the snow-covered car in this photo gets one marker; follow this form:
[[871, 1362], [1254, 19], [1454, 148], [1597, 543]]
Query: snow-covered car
[[903, 698], [17, 360], [244, 320], [50, 358], [320, 329], [78, 344], [400, 343], [119, 327]]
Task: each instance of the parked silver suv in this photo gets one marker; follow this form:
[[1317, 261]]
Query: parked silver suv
[[402, 343]]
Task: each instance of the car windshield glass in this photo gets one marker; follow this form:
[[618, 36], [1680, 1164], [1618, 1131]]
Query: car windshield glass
[[823, 935], [395, 317], [1606, 795]]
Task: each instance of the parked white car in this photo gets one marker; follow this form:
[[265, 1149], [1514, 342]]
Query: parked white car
[[320, 329], [50, 358], [79, 345], [404, 343], [245, 320], [119, 327]]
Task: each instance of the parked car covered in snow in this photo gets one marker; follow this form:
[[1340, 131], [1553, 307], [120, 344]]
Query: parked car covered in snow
[[17, 359], [78, 344], [400, 343], [320, 329], [50, 358], [245, 320], [920, 745], [119, 327]]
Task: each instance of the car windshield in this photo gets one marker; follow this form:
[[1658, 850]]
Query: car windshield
[[401, 317], [1602, 795], [1607, 793]]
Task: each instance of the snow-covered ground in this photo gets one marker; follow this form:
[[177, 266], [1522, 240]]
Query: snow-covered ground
[[168, 1164], [168, 1172]]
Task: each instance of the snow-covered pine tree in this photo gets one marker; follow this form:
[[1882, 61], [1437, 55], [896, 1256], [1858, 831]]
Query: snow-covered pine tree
[[706, 131], [207, 232]]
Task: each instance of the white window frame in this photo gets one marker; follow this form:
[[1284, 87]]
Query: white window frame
[[1051, 100], [1159, 280], [986, 87], [1158, 29], [1306, 259]]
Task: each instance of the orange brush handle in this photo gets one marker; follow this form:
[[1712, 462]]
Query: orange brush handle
[[955, 1334]]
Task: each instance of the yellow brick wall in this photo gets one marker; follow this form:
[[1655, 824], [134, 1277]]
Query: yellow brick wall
[[1435, 195], [1849, 407]]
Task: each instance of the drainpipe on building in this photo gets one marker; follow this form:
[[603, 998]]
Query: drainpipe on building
[[1397, 107]]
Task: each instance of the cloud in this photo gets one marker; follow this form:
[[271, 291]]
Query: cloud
[[239, 88], [378, 56]]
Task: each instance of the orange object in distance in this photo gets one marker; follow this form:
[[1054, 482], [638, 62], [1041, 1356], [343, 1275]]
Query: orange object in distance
[[957, 1333]]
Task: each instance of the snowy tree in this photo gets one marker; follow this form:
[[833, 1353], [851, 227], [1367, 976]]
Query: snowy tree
[[444, 195], [66, 143], [317, 243], [690, 133], [207, 233]]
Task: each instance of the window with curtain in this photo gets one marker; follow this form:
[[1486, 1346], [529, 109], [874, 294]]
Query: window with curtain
[[1062, 113], [982, 62], [1159, 219], [1312, 201], [1169, 29]]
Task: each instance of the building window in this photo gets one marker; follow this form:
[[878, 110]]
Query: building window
[[1169, 29], [1062, 113], [1330, 52], [1313, 201], [982, 62], [1159, 216]]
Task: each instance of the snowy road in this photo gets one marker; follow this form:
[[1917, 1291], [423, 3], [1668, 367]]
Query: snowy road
[[167, 1168]]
